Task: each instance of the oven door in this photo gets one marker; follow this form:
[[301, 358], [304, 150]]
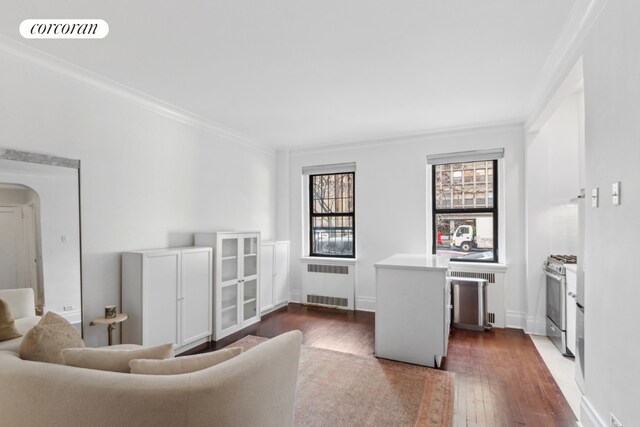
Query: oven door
[[556, 299]]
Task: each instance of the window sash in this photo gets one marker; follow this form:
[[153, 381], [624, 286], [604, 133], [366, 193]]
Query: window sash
[[350, 215], [492, 188]]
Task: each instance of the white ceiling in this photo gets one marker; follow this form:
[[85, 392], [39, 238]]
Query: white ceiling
[[290, 73]]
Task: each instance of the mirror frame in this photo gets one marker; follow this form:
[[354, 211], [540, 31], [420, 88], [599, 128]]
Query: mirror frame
[[45, 159]]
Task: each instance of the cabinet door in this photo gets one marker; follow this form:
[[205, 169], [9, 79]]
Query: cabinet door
[[281, 279], [160, 311], [266, 276], [228, 283], [196, 294], [447, 316], [249, 277]]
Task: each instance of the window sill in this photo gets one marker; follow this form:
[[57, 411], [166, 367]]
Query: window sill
[[328, 260], [479, 266]]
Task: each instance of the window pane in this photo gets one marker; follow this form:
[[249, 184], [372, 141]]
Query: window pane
[[332, 214], [465, 236], [332, 235], [450, 188], [332, 193]]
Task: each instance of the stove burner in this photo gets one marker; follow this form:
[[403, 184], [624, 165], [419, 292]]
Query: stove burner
[[564, 259]]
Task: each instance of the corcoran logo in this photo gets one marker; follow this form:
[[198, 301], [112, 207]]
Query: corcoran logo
[[64, 29]]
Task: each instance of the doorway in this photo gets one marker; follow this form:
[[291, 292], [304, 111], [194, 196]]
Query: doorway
[[20, 264]]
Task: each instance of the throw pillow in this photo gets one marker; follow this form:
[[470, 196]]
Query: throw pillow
[[115, 360], [184, 364], [44, 341], [8, 330]]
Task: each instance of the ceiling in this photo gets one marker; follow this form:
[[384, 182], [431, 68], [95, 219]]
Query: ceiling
[[290, 73]]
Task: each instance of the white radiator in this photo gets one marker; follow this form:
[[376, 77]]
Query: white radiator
[[495, 291], [328, 283]]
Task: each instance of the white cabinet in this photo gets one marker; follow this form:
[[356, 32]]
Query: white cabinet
[[412, 309], [236, 279], [168, 297], [274, 275]]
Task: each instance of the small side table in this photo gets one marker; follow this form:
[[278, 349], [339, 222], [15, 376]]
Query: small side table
[[111, 322]]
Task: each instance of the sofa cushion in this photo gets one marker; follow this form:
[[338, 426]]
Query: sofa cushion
[[23, 326], [115, 360], [184, 364], [44, 341], [8, 329]]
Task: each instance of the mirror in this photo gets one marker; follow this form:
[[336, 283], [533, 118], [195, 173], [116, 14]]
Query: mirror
[[40, 230]]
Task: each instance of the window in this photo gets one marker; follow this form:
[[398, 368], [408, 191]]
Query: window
[[332, 215], [465, 217]]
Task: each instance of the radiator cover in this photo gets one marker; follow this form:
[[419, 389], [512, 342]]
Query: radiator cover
[[495, 291], [328, 283]]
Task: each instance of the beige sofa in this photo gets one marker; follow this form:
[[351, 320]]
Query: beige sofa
[[23, 310], [256, 388]]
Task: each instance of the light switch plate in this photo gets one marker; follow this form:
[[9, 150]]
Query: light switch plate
[[594, 198], [615, 193]]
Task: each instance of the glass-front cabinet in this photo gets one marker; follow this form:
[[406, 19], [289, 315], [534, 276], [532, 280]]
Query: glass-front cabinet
[[236, 279]]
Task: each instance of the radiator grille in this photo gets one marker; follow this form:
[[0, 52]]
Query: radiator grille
[[489, 277], [491, 317], [325, 300], [325, 268]]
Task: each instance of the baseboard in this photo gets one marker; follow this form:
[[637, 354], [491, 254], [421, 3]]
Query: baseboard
[[295, 296], [365, 304], [273, 308], [516, 319], [536, 325], [588, 416]]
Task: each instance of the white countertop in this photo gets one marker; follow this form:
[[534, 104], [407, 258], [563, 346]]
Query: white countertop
[[415, 261]]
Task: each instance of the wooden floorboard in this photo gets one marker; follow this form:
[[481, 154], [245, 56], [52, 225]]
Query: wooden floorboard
[[501, 380]]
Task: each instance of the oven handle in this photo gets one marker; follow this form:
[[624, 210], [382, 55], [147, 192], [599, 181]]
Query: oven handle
[[553, 276]]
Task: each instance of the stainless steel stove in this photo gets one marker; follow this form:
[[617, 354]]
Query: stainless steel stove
[[555, 271]]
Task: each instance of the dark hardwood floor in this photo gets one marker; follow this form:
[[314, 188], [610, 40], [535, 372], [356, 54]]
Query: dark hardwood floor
[[501, 379]]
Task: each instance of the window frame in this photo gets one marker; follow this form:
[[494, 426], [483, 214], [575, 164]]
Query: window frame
[[334, 214], [494, 210]]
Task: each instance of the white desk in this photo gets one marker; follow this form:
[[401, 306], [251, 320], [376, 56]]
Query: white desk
[[412, 308]]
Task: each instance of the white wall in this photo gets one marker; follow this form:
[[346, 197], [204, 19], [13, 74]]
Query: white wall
[[147, 181], [391, 201], [552, 185], [612, 145]]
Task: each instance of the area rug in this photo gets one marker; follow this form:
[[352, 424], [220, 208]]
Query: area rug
[[341, 389]]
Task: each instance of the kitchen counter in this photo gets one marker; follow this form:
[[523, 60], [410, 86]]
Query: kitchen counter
[[412, 308], [415, 261], [571, 267]]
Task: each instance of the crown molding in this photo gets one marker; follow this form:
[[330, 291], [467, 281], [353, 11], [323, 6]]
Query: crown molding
[[66, 69], [406, 138], [565, 53]]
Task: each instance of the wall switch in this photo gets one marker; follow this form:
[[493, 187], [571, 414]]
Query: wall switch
[[594, 198], [63, 239], [614, 421], [68, 307], [615, 193]]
